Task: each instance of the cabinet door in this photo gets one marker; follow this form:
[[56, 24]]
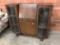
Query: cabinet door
[[28, 27], [13, 17]]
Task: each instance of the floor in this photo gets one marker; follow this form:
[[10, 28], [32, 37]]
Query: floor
[[9, 38]]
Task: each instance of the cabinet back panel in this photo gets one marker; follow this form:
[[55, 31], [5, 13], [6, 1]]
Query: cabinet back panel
[[40, 15]]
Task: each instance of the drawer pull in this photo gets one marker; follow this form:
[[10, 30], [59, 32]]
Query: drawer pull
[[32, 23]]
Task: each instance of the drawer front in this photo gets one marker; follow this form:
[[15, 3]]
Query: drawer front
[[28, 27]]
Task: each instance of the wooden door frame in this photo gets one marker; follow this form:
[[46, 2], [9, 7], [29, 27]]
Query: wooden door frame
[[50, 6]]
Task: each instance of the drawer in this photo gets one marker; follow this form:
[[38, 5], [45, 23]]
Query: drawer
[[28, 20]]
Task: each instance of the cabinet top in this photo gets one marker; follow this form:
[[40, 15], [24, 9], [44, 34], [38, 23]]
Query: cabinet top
[[11, 5]]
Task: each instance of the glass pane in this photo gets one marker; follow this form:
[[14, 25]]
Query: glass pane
[[40, 17], [46, 15], [13, 20], [40, 32], [11, 11], [15, 28], [44, 32]]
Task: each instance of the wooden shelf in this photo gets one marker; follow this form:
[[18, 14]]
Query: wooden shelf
[[41, 25]]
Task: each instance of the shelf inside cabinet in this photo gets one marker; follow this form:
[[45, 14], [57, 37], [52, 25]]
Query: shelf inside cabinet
[[42, 25]]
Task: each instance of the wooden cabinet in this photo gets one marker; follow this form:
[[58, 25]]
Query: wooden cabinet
[[30, 19]]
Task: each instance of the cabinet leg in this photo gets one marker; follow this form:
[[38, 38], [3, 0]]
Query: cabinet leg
[[41, 38]]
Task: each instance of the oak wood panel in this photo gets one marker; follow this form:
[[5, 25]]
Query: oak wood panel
[[27, 11], [28, 27]]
